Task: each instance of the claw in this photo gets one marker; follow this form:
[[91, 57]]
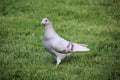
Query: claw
[[56, 65]]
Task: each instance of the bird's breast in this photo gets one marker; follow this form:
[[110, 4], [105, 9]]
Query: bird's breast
[[47, 44]]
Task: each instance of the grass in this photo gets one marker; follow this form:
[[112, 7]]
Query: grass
[[96, 23]]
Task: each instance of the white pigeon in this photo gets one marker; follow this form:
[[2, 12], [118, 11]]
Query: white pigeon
[[57, 45]]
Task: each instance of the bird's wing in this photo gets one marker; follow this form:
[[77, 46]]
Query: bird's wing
[[60, 45]]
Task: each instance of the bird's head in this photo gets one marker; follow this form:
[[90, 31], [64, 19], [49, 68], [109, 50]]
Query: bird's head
[[45, 21]]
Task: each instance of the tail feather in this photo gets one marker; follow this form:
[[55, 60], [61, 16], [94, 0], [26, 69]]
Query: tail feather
[[80, 47], [85, 45]]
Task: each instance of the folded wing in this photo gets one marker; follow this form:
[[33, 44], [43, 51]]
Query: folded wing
[[63, 46]]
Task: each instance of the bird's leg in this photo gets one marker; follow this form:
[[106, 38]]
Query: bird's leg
[[58, 61]]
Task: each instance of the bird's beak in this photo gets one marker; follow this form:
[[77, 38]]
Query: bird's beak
[[42, 23]]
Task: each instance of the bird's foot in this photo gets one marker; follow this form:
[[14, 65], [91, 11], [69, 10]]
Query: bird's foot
[[57, 65]]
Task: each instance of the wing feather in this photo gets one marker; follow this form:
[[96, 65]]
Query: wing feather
[[62, 46]]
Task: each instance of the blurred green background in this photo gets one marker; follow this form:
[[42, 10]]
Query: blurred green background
[[93, 22]]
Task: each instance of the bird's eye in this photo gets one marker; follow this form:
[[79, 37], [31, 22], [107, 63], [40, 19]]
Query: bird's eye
[[46, 20]]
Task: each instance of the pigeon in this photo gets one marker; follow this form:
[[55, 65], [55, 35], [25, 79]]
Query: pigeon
[[58, 46]]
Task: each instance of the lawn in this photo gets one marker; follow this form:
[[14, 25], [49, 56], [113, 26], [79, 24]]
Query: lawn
[[93, 22]]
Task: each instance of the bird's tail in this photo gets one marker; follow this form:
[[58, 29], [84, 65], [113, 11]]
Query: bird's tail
[[80, 47]]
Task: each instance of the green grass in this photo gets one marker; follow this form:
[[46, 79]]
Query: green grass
[[94, 22]]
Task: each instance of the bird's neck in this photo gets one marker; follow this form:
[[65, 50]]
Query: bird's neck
[[50, 33]]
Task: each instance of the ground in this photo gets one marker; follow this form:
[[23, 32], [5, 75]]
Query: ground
[[92, 22]]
